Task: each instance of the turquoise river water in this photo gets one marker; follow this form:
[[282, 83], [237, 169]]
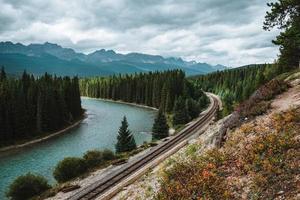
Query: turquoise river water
[[97, 131]]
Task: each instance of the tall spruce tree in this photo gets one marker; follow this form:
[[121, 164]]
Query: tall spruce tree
[[160, 127], [181, 115], [126, 140], [193, 108], [2, 74]]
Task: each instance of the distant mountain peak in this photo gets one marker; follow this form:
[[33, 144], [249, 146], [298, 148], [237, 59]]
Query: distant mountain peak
[[104, 51], [220, 67], [7, 42], [48, 44]]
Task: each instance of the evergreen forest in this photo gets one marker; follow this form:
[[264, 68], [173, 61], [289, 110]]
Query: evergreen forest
[[236, 85], [163, 90], [33, 106]]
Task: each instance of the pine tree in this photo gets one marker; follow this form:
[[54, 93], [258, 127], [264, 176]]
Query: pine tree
[[156, 94], [163, 97], [39, 116], [2, 74], [160, 127], [169, 105], [180, 112], [285, 15], [259, 78], [193, 108], [20, 117], [126, 140], [228, 103]]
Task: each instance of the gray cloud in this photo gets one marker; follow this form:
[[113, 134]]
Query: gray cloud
[[215, 31]]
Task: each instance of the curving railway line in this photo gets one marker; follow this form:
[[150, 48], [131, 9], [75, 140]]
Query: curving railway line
[[96, 189]]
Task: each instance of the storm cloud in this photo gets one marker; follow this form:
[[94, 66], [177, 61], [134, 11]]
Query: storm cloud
[[228, 32]]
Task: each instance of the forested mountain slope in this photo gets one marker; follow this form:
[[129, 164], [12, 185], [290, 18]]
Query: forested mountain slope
[[54, 59], [236, 85]]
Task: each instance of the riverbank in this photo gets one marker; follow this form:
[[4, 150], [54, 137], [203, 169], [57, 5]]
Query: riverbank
[[44, 137], [122, 102], [73, 125]]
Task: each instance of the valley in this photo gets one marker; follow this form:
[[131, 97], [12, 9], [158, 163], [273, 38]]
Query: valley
[[150, 100]]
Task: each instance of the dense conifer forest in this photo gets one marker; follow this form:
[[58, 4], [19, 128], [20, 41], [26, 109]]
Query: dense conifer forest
[[157, 89], [31, 106], [236, 85]]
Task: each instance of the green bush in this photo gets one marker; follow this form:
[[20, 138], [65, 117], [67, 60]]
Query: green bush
[[69, 168], [27, 186], [108, 155], [93, 158]]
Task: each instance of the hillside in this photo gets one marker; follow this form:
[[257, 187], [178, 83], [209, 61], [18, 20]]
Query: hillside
[[54, 59], [258, 158]]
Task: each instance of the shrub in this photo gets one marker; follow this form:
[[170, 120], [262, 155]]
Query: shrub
[[93, 158], [194, 178], [266, 153], [27, 186], [272, 158], [258, 161], [69, 168], [108, 155]]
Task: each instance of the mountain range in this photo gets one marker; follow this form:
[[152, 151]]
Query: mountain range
[[54, 59]]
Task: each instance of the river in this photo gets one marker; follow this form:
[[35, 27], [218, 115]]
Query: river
[[97, 131]]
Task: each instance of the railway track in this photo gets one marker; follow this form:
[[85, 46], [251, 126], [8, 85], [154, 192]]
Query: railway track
[[101, 186]]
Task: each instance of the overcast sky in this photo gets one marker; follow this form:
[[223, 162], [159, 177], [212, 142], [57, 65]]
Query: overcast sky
[[228, 32]]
